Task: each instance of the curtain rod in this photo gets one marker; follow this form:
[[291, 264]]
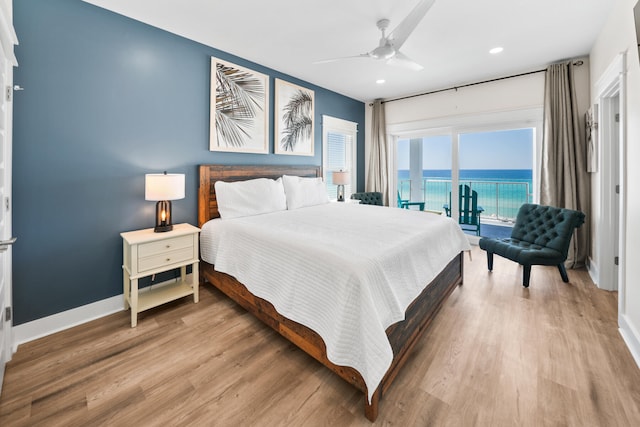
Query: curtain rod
[[577, 63]]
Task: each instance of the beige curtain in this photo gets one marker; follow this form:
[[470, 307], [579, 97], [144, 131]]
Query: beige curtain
[[564, 180], [378, 175]]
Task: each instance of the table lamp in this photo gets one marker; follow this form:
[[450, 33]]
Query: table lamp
[[163, 187], [340, 178]]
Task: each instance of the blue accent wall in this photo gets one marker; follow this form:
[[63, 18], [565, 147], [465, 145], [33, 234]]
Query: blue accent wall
[[107, 99]]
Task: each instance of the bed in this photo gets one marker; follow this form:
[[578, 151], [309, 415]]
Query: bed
[[401, 335]]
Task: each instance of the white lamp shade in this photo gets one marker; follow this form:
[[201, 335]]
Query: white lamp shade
[[340, 177], [163, 186]]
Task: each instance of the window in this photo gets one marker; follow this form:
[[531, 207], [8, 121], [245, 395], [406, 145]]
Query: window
[[338, 152], [424, 170], [497, 164], [496, 155]]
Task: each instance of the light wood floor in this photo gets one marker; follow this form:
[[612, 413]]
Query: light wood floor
[[497, 355]]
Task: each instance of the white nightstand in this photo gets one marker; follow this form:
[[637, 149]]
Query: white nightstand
[[145, 253]]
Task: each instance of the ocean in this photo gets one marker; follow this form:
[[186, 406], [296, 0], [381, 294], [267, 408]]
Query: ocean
[[501, 192]]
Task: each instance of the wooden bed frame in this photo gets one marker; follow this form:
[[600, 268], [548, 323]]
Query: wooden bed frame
[[402, 335]]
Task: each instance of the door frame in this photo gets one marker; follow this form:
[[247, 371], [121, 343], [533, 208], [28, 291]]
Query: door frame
[[611, 98], [8, 39]]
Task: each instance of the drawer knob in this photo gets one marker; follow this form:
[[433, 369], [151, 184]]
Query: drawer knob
[[168, 259], [168, 246]]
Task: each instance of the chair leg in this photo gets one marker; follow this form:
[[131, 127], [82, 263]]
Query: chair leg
[[526, 274], [563, 273], [490, 260]]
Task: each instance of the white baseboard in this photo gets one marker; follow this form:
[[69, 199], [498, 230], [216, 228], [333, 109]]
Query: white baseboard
[[76, 316], [630, 337], [64, 320]]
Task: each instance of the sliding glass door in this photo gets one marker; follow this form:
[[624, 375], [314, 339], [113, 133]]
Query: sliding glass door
[[497, 165], [437, 160]]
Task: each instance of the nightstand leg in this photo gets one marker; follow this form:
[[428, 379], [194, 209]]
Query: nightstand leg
[[195, 278], [125, 280], [134, 303]]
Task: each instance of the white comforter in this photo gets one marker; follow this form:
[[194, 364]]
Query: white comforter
[[346, 271]]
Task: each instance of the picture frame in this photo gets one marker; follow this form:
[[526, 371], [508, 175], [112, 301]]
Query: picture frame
[[239, 109], [294, 119]]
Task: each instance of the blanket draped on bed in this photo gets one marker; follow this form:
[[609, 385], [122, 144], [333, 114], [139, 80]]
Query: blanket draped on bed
[[345, 271]]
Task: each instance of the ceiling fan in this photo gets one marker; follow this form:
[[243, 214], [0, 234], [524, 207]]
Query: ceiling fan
[[389, 47]]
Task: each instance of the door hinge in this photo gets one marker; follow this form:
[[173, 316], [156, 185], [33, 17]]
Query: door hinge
[[617, 117], [8, 93], [7, 314], [616, 260], [617, 188]]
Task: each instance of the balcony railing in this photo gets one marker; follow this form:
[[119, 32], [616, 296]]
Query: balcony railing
[[500, 199]]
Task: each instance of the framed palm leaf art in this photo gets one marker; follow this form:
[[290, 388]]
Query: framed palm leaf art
[[294, 119], [239, 109]]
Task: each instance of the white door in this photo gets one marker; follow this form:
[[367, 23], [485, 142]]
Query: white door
[[7, 62]]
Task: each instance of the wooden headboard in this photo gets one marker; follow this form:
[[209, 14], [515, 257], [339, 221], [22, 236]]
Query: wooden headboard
[[209, 174]]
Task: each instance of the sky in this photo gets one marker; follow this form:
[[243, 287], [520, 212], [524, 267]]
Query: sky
[[509, 149]]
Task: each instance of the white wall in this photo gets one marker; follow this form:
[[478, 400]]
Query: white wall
[[618, 35]]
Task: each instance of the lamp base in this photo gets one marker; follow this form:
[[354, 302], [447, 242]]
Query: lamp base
[[340, 195], [163, 217]]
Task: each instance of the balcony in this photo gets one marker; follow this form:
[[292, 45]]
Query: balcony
[[500, 200]]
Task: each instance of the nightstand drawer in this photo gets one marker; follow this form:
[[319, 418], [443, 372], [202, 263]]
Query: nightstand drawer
[[165, 245], [165, 258]]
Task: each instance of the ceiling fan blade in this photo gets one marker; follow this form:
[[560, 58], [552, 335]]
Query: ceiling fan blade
[[406, 27], [325, 61], [402, 60]]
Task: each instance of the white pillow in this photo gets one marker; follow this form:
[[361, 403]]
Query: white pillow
[[303, 192], [251, 197]]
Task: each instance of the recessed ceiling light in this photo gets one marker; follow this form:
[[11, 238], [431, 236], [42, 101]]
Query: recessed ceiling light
[[380, 81], [496, 50]]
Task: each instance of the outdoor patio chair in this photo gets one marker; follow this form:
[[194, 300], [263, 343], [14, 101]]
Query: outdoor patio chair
[[540, 236], [368, 197], [469, 217], [405, 203]]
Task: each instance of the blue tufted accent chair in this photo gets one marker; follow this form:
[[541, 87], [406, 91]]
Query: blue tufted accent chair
[[368, 197], [540, 236]]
